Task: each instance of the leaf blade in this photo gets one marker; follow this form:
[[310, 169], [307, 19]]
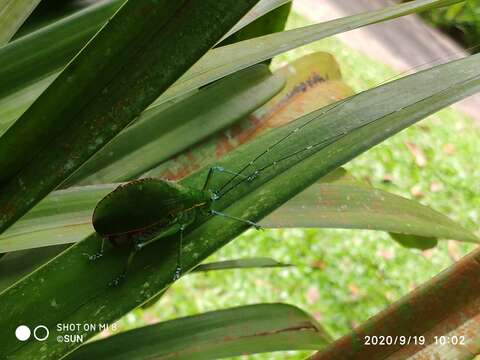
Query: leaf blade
[[250, 329], [337, 202], [211, 67], [12, 15], [246, 263], [365, 124], [159, 133], [65, 135]]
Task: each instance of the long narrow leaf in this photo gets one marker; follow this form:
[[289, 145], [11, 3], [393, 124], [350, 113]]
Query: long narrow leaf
[[12, 15], [337, 201], [262, 8], [160, 133], [62, 217], [15, 265], [42, 52], [228, 59], [214, 335], [115, 77], [239, 264], [362, 121], [248, 52], [48, 49]]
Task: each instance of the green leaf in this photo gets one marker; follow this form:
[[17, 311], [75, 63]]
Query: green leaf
[[45, 51], [160, 133], [31, 59], [415, 242], [49, 12], [335, 201], [226, 60], [345, 129], [15, 265], [312, 81], [262, 8], [251, 263], [12, 15], [239, 264], [62, 217], [338, 201], [218, 334], [272, 21], [39, 54], [115, 77]]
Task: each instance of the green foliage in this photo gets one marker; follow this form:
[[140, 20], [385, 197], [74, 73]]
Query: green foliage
[[272, 22], [12, 15], [225, 333], [153, 271], [109, 84], [461, 21]]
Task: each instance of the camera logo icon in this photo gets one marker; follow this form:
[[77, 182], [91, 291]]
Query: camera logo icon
[[40, 333]]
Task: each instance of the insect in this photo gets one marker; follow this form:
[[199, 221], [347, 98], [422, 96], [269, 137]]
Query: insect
[[162, 208]]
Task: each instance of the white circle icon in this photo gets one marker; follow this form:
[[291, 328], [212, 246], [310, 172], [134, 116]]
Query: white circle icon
[[23, 333], [44, 330]]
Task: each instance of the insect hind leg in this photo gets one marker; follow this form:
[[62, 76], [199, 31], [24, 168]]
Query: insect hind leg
[[139, 245]]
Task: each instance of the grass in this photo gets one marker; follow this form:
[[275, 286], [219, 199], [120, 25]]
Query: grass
[[345, 276]]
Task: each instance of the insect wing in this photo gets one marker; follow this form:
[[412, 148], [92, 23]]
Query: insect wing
[[138, 205]]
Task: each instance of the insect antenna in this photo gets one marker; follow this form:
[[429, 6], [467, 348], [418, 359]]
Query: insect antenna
[[326, 142], [256, 172], [251, 163]]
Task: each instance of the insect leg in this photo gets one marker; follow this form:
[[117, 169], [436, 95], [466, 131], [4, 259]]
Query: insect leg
[[251, 223], [138, 245], [221, 170], [178, 269], [98, 254], [119, 278]]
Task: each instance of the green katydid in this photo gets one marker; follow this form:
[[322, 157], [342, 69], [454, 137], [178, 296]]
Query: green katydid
[[161, 208]]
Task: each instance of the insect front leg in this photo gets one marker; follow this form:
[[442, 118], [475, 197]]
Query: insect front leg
[[223, 170], [97, 255]]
